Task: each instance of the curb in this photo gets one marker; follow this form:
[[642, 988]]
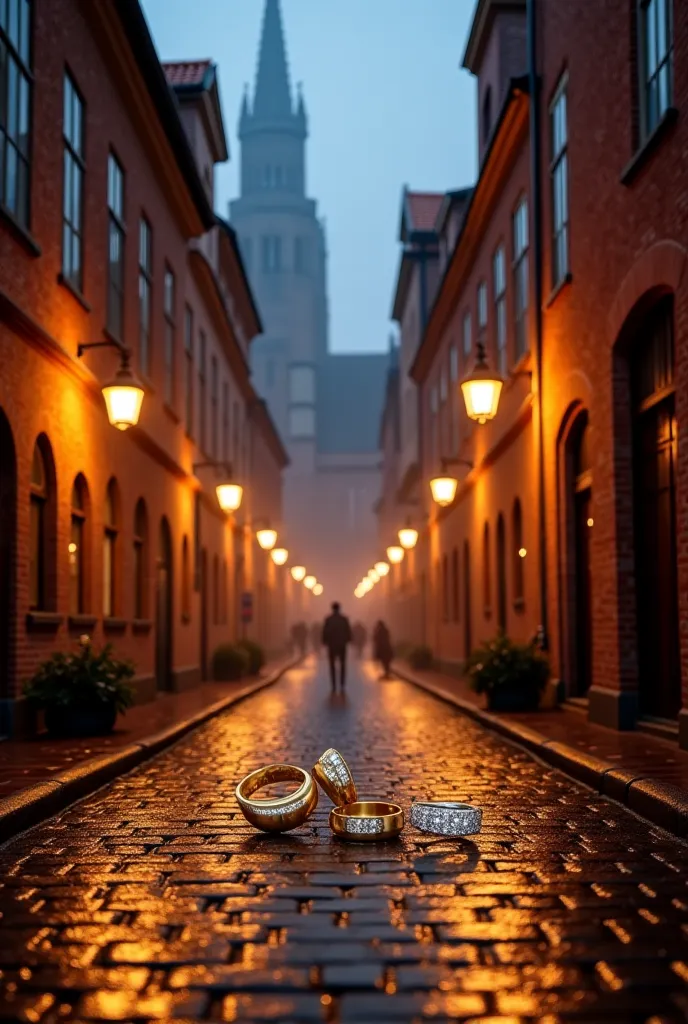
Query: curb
[[30, 806], [661, 803]]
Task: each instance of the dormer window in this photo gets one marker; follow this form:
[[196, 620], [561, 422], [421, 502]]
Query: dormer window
[[487, 114]]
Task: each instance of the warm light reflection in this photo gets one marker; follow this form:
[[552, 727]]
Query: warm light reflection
[[522, 552], [591, 521], [309, 582], [229, 496], [395, 554], [381, 568], [408, 537], [267, 538], [443, 489], [279, 555], [298, 572], [318, 589]]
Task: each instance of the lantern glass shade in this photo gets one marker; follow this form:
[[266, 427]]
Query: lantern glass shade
[[481, 390], [279, 555], [443, 489], [318, 589], [298, 572], [123, 398], [373, 576], [408, 537], [266, 538], [395, 554], [309, 582], [229, 496], [381, 568], [366, 585]]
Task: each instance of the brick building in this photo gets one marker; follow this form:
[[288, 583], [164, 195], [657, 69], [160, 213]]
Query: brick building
[[569, 268], [107, 232]]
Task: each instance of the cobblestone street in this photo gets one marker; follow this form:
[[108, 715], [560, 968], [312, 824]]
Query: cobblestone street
[[154, 899]]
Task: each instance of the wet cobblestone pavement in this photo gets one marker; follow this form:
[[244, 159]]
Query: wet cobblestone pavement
[[155, 900]]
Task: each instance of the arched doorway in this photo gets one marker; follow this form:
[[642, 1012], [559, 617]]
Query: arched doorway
[[8, 531], [163, 609], [654, 492], [501, 574], [467, 639], [579, 500]]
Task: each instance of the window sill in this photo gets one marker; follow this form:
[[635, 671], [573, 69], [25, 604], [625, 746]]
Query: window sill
[[141, 626], [73, 291], [114, 625], [82, 621], [648, 147], [48, 621], [558, 289], [21, 234], [519, 605]]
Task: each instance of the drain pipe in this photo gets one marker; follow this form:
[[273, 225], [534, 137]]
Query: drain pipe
[[536, 224]]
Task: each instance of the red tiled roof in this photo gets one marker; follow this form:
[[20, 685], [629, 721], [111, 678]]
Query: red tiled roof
[[186, 72], [423, 208]]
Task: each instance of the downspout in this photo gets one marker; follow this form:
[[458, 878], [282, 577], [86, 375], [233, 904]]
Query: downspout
[[536, 206], [421, 434]]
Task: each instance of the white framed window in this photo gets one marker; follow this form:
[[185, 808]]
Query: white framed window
[[115, 197], [499, 282], [520, 230], [302, 422], [559, 174], [145, 289], [15, 107], [656, 58], [482, 305], [301, 385], [466, 340], [169, 308], [72, 185], [454, 398]]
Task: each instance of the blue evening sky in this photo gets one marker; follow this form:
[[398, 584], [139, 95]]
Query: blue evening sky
[[388, 104]]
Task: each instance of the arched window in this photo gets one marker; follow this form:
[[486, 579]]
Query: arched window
[[455, 585], [518, 553], [110, 549], [487, 572], [186, 581], [77, 547], [140, 560], [38, 527], [487, 115], [216, 590], [445, 589], [501, 573]]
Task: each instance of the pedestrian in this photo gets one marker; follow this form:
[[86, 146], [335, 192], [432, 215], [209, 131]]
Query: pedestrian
[[336, 635], [382, 647], [360, 634]]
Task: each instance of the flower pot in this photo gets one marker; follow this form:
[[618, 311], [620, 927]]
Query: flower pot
[[513, 698], [75, 722]]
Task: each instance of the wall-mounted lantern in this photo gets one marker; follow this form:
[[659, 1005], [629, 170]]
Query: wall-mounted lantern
[[229, 493], [298, 572], [481, 389], [395, 554], [381, 568], [267, 538], [279, 555], [309, 582], [124, 393], [443, 487]]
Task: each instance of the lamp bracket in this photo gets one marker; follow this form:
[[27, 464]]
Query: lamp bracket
[[83, 346], [214, 463]]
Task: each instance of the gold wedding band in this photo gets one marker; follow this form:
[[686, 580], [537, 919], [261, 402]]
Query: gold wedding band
[[334, 775], [281, 813], [367, 820]]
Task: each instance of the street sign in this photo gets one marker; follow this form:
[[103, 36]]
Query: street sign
[[247, 607]]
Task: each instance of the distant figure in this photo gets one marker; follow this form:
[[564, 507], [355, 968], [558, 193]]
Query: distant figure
[[336, 635], [382, 647], [298, 636], [360, 634], [316, 637]]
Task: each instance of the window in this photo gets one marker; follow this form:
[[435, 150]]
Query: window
[[499, 281], [455, 585], [110, 550], [482, 306], [201, 389], [520, 226], [487, 571], [487, 115], [454, 398], [302, 385], [73, 186], [302, 422], [189, 369], [225, 421], [518, 552], [559, 173], [214, 398], [656, 49], [115, 305], [271, 254], [37, 530], [301, 255], [434, 408], [169, 301], [145, 289], [466, 335], [140, 559], [186, 580], [15, 107], [77, 538]]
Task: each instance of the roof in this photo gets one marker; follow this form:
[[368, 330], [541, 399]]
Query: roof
[[351, 390], [186, 72], [422, 210], [231, 234], [452, 200], [196, 82], [481, 26]]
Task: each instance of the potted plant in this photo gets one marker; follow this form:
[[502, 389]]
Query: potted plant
[[421, 658], [255, 654], [512, 675], [230, 662], [81, 693]]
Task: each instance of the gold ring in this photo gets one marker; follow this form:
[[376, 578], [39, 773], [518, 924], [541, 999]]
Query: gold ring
[[280, 813], [367, 820], [334, 775]]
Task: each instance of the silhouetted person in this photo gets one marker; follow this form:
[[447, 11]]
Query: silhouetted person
[[382, 647], [316, 637], [360, 635], [298, 634], [336, 635]]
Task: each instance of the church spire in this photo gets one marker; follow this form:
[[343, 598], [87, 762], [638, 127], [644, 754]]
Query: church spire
[[272, 99]]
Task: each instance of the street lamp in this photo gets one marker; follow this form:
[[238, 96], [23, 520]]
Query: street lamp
[[298, 572], [444, 487], [267, 538], [373, 576], [318, 589], [229, 494], [124, 393], [395, 554], [408, 537], [381, 568], [279, 555], [481, 389], [309, 582]]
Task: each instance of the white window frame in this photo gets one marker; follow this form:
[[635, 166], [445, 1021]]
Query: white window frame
[[559, 176], [656, 69], [499, 291], [520, 275]]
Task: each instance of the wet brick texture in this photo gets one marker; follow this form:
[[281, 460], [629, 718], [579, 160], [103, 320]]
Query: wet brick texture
[[155, 900]]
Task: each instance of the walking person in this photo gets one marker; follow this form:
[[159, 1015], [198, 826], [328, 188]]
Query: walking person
[[360, 634], [382, 647], [336, 635]]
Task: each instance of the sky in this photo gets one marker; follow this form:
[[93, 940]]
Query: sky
[[388, 105]]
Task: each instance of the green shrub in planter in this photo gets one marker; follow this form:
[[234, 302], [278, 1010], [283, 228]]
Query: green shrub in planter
[[421, 657], [81, 693], [511, 675], [402, 649], [256, 655], [230, 662]]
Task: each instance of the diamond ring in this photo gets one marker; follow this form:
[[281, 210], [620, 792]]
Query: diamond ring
[[281, 813], [367, 820], [334, 775], [446, 818]]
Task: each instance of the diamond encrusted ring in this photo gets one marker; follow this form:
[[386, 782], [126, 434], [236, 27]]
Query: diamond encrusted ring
[[334, 775], [367, 820], [280, 813], [446, 818]]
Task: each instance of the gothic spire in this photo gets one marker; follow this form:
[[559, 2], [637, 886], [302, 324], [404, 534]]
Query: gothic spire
[[272, 98]]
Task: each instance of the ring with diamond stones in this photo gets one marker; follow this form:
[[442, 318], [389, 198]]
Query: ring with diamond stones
[[334, 775], [367, 820], [446, 818], [280, 813]]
